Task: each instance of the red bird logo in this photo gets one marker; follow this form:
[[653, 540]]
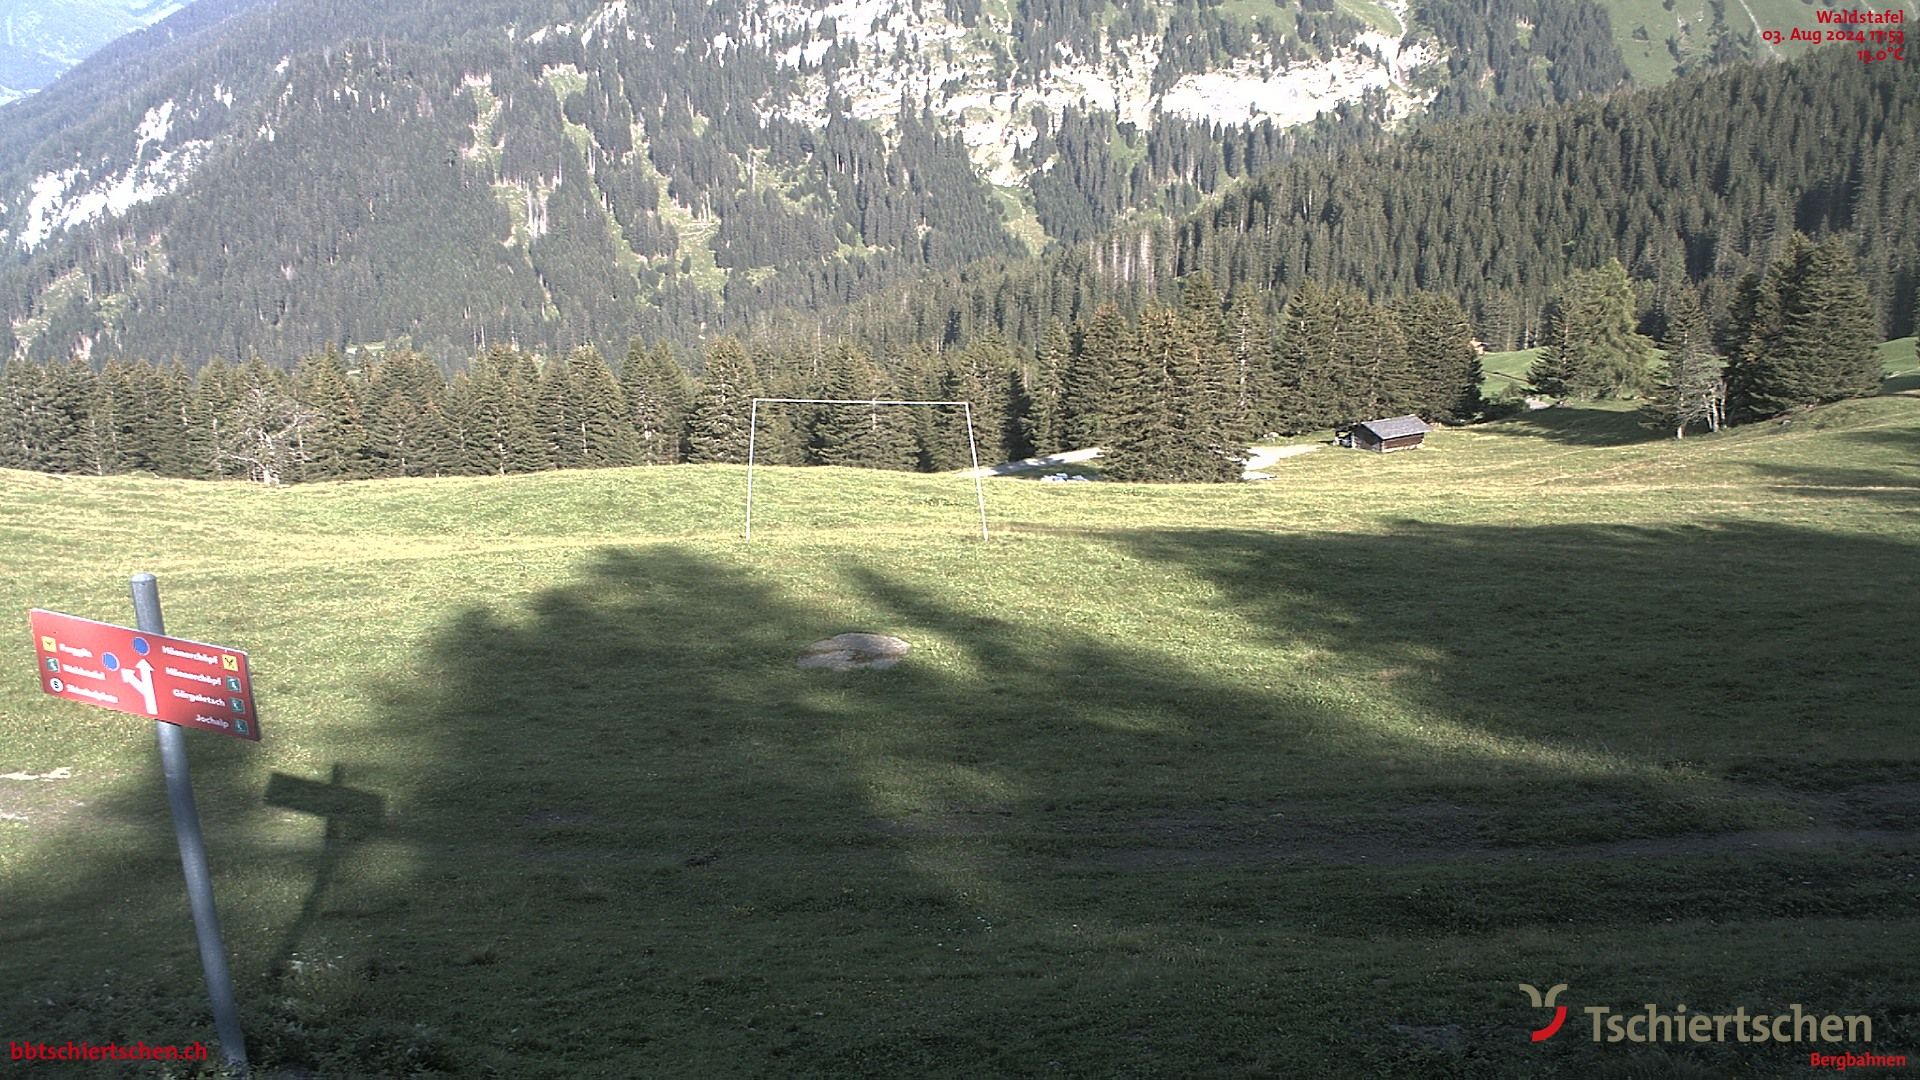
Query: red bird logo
[[1559, 1012]]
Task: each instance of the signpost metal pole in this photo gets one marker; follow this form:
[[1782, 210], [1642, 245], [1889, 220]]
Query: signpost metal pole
[[973, 451], [193, 851], [753, 427]]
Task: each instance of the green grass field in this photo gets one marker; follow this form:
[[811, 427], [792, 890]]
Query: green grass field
[[1288, 779]]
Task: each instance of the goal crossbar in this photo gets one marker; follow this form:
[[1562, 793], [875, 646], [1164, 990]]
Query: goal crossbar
[[753, 431]]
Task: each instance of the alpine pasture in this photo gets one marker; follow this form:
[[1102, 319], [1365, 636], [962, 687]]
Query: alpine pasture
[[1293, 778]]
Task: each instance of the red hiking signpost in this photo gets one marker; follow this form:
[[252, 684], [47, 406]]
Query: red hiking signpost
[[178, 684], [168, 679]]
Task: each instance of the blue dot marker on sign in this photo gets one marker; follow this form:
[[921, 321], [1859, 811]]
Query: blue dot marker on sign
[[140, 646], [111, 661]]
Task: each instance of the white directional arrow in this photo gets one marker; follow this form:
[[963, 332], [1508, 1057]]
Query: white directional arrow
[[143, 683]]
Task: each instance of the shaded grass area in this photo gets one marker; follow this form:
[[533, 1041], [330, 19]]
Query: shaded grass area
[[1175, 782]]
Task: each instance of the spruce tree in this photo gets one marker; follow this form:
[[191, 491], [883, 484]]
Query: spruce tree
[[1690, 388], [212, 394], [1810, 336], [658, 394], [155, 421], [607, 438], [557, 414], [989, 382], [405, 410], [1172, 427], [1592, 349], [1045, 389], [1104, 348], [1249, 349], [1303, 357], [334, 445], [1445, 362], [110, 412], [717, 427], [501, 436], [866, 436]]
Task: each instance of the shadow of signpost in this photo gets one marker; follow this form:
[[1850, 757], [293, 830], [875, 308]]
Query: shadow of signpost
[[350, 815]]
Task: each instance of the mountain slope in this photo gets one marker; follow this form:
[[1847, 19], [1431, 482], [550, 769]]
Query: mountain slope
[[40, 39], [288, 174]]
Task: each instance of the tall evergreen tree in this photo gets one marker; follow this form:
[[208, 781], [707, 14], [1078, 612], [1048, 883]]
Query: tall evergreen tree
[[658, 395], [405, 408], [156, 421], [1104, 348], [496, 415], [606, 435], [989, 380], [213, 393], [1592, 349], [1445, 363], [48, 427], [557, 412], [1046, 392], [1690, 389], [1173, 427], [1249, 355], [110, 412], [717, 427], [334, 444], [1810, 337], [867, 436]]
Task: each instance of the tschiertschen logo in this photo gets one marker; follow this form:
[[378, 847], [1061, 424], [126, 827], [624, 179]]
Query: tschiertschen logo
[[1559, 1011]]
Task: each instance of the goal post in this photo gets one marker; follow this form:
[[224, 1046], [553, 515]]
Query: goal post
[[966, 407]]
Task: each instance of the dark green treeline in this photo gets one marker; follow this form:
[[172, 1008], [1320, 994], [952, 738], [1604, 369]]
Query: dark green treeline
[[1174, 395]]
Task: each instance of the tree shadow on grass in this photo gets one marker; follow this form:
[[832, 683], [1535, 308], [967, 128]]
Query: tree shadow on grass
[[1577, 426], [1895, 488], [623, 834]]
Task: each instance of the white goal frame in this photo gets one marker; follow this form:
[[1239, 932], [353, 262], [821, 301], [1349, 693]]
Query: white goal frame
[[753, 431]]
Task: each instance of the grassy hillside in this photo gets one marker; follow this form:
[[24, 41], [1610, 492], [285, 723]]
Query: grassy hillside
[[1282, 779]]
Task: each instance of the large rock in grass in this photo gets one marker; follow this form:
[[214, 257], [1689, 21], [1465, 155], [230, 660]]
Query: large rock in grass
[[846, 652]]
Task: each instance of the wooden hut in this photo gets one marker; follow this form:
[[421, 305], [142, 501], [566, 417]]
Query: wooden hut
[[1393, 433]]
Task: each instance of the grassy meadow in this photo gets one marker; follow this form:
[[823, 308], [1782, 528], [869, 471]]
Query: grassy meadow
[[1282, 779]]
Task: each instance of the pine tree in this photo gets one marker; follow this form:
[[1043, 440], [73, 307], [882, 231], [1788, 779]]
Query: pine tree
[[1249, 344], [1690, 388], [110, 413], [1444, 360], [405, 408], [1303, 357], [1810, 337], [156, 424], [607, 438], [54, 403], [1045, 389], [557, 414], [658, 394], [1104, 348], [1380, 379], [867, 436], [334, 445], [212, 393], [1173, 427], [1592, 349], [717, 427], [496, 415], [989, 381]]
